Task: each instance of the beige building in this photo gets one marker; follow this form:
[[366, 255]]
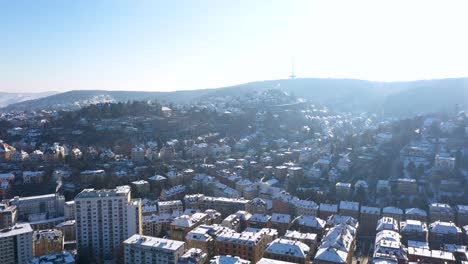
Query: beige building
[[248, 245], [47, 242]]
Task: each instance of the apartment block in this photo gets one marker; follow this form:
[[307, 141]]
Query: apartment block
[[105, 218], [151, 250]]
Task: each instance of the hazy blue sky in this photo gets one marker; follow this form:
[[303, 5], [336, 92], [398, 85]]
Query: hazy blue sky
[[172, 44]]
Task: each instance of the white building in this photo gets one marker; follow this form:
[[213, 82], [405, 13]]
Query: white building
[[169, 207], [148, 250], [444, 161], [105, 218], [16, 244]]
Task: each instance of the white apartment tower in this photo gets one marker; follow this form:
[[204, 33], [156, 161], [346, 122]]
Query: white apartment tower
[[16, 244], [104, 219]]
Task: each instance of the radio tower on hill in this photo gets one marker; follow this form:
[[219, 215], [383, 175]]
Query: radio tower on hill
[[292, 76]]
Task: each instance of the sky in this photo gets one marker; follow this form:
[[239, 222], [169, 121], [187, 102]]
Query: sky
[[168, 45]]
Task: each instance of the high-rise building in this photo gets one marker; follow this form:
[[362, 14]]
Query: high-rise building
[[146, 249], [105, 218], [16, 244]]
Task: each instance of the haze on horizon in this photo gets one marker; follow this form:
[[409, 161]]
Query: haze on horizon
[[178, 45]]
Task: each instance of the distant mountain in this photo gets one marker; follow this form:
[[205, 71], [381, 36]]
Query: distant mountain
[[13, 98], [79, 98], [422, 97], [394, 98]]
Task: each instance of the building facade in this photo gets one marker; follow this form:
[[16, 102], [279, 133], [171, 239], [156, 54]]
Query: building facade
[[105, 218], [140, 249]]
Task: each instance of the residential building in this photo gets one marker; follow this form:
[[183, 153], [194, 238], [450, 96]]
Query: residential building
[[337, 246], [388, 223], [68, 229], [444, 162], [304, 207], [393, 212], [47, 242], [441, 233], [369, 218], [193, 256], [140, 187], [151, 250], [259, 221], [413, 230], [16, 245], [288, 250], [441, 212], [415, 214], [104, 218], [157, 184], [406, 186], [349, 209], [183, 224], [280, 222], [52, 205], [64, 257], [256, 206], [69, 210], [204, 237], [343, 190], [248, 245], [388, 243], [228, 260], [461, 215], [174, 193], [310, 239], [326, 210], [425, 255], [8, 215], [169, 207], [156, 225], [234, 222], [309, 224], [383, 187]]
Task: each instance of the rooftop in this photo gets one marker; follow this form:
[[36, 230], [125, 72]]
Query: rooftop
[[61, 258], [288, 247], [228, 260], [296, 235], [154, 242], [92, 193], [17, 229]]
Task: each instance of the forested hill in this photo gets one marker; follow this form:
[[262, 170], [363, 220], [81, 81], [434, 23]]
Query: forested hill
[[393, 98]]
